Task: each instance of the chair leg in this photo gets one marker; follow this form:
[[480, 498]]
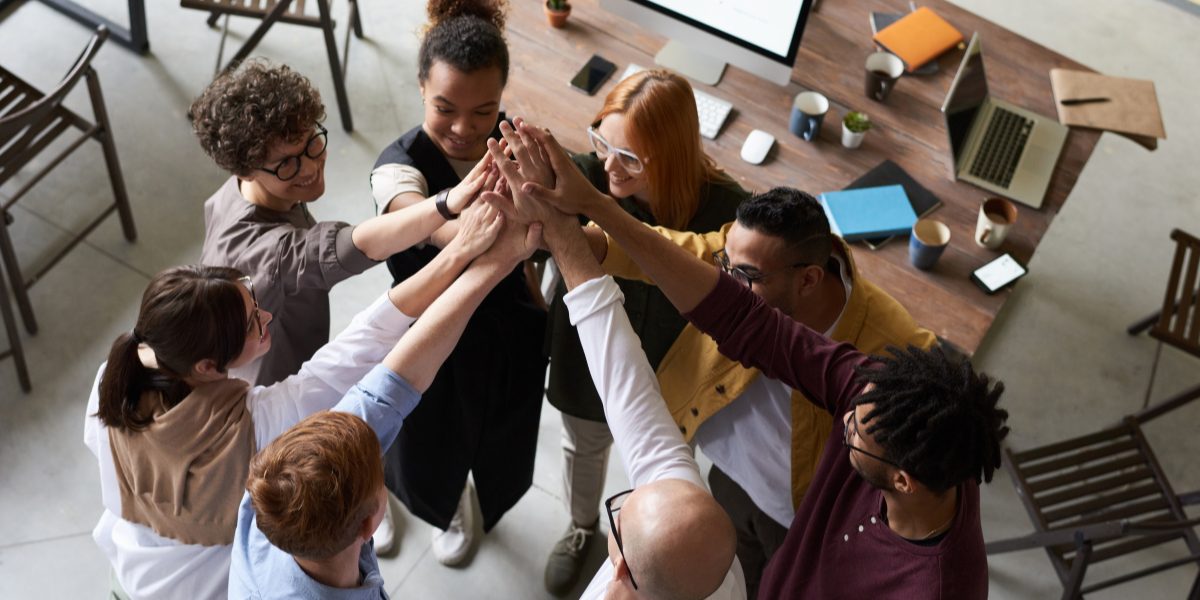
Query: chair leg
[[110, 156], [339, 83], [212, 19], [20, 292], [354, 19], [1195, 593], [1153, 372], [1144, 324], [221, 46], [248, 47], [14, 338], [1083, 553]]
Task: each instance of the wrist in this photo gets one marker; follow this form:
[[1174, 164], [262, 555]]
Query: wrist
[[442, 202]]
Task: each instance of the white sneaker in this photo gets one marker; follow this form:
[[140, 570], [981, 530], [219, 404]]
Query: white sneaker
[[385, 534], [451, 546]]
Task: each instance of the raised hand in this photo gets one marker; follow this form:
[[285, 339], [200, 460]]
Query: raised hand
[[479, 227], [467, 191], [528, 167], [572, 192], [516, 242]]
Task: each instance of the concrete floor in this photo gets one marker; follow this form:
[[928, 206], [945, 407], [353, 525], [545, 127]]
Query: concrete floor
[[1059, 344]]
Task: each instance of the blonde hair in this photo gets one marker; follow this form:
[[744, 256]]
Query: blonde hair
[[663, 129]]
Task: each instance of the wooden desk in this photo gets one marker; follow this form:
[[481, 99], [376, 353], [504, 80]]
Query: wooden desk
[[908, 130]]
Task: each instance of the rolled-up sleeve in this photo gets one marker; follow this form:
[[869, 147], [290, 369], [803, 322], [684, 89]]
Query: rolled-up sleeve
[[318, 257], [383, 399], [393, 179]]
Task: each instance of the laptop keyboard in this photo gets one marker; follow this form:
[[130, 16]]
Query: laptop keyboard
[[1001, 149]]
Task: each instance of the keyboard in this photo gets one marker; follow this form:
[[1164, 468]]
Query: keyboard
[[712, 110], [1001, 149]]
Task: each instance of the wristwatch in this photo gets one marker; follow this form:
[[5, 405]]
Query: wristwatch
[[442, 207]]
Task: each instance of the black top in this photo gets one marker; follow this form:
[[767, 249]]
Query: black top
[[654, 319]]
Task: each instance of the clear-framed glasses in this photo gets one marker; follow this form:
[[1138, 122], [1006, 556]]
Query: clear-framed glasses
[[289, 167], [743, 277], [613, 505], [629, 160], [846, 441], [257, 318]]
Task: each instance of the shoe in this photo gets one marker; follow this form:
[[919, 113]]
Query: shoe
[[451, 546], [385, 534], [566, 561]]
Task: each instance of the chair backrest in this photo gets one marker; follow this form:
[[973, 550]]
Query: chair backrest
[[1105, 476], [1179, 322], [35, 112]]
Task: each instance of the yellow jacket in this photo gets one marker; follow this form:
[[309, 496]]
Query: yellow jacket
[[697, 381]]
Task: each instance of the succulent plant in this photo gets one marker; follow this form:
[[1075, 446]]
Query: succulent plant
[[858, 122]]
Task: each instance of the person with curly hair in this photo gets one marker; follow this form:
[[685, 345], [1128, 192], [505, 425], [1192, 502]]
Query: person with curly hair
[[481, 414]]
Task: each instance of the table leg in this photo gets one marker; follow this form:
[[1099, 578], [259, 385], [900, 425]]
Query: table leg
[[134, 38]]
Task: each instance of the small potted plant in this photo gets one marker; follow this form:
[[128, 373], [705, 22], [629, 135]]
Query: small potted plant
[[854, 127], [557, 12]]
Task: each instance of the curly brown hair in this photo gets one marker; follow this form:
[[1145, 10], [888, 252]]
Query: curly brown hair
[[244, 113]]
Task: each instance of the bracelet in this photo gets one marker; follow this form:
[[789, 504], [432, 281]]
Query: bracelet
[[442, 207]]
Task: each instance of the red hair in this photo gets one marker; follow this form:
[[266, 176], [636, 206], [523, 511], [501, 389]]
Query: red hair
[[663, 128]]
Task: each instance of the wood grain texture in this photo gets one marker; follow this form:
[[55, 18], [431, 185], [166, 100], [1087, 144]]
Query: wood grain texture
[[909, 130]]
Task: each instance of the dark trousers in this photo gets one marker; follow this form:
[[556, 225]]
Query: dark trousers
[[758, 535]]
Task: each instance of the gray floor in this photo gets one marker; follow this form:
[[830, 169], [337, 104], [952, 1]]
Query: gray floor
[[1059, 344]]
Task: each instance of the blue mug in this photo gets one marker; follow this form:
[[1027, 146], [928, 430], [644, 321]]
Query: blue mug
[[929, 239], [808, 110]]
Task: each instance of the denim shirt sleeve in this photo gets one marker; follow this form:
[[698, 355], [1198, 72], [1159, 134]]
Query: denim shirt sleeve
[[383, 399]]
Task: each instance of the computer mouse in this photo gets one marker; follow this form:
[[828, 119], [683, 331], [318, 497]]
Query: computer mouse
[[757, 144]]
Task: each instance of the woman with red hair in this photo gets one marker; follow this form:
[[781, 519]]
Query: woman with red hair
[[648, 156]]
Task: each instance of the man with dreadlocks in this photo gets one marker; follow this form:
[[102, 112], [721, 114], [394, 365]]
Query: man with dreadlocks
[[893, 510]]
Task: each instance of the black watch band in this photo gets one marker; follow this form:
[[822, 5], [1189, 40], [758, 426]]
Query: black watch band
[[442, 207]]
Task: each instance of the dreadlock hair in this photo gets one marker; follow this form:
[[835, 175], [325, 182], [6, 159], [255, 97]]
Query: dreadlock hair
[[934, 416]]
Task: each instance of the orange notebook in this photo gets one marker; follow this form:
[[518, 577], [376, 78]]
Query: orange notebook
[[918, 38]]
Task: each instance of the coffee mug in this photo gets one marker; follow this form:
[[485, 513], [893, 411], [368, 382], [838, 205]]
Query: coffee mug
[[996, 217], [808, 110], [928, 240], [883, 71]]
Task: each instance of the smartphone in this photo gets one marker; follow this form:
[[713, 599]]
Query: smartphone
[[997, 274], [593, 75]]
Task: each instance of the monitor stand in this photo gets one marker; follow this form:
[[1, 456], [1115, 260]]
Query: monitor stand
[[686, 61]]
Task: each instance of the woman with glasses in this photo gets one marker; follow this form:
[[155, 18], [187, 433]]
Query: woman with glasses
[[174, 432], [647, 155], [262, 124], [480, 416]]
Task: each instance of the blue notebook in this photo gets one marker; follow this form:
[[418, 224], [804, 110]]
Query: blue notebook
[[869, 212]]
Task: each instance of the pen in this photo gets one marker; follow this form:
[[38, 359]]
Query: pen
[[1076, 101]]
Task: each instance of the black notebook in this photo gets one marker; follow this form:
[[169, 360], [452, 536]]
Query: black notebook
[[889, 173]]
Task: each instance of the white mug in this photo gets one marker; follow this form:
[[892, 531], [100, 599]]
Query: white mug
[[996, 218]]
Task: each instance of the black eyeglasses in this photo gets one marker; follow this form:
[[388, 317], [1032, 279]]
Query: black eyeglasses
[[743, 277], [257, 318], [289, 167], [613, 505], [846, 441]]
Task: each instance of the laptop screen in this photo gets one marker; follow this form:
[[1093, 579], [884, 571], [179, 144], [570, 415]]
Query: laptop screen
[[967, 93]]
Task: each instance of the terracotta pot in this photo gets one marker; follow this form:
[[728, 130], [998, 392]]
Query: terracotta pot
[[557, 18]]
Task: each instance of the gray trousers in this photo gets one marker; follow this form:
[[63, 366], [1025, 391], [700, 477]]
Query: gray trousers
[[758, 535], [585, 463]]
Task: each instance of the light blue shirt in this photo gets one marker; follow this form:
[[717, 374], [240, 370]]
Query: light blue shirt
[[261, 571]]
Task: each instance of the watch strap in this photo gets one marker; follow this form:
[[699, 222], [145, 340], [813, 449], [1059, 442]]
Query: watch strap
[[442, 207]]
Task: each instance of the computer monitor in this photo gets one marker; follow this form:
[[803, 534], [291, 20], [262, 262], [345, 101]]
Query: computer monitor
[[760, 37]]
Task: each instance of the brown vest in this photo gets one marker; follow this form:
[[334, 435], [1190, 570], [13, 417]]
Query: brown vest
[[184, 475]]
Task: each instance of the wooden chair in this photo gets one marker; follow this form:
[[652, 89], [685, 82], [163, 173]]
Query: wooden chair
[[1178, 323], [14, 338], [30, 121], [1100, 497], [287, 11]]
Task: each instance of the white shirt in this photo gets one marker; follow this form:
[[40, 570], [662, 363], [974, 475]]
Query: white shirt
[[151, 566], [393, 179], [647, 439], [750, 439]]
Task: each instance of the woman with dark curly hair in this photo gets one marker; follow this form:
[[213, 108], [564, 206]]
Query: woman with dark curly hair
[[484, 420], [262, 123]]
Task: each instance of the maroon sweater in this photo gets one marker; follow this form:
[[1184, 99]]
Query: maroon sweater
[[838, 545]]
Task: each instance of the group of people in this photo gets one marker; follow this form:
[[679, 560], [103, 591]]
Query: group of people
[[245, 455]]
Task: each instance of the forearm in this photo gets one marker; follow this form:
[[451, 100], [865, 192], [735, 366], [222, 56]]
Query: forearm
[[445, 234], [575, 258], [396, 231], [682, 277], [429, 342], [414, 295], [597, 241]]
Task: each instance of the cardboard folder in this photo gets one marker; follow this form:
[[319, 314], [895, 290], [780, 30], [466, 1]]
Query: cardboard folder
[[918, 38], [1132, 109]]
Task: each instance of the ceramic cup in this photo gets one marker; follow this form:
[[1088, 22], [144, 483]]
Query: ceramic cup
[[996, 218], [883, 71], [808, 110], [928, 240]]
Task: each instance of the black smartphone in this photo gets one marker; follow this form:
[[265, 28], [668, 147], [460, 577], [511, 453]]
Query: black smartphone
[[997, 274], [593, 75]]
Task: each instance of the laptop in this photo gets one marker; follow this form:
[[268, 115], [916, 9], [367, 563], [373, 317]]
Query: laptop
[[997, 145]]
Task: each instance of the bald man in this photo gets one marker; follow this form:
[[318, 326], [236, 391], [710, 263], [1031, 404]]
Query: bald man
[[668, 537]]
